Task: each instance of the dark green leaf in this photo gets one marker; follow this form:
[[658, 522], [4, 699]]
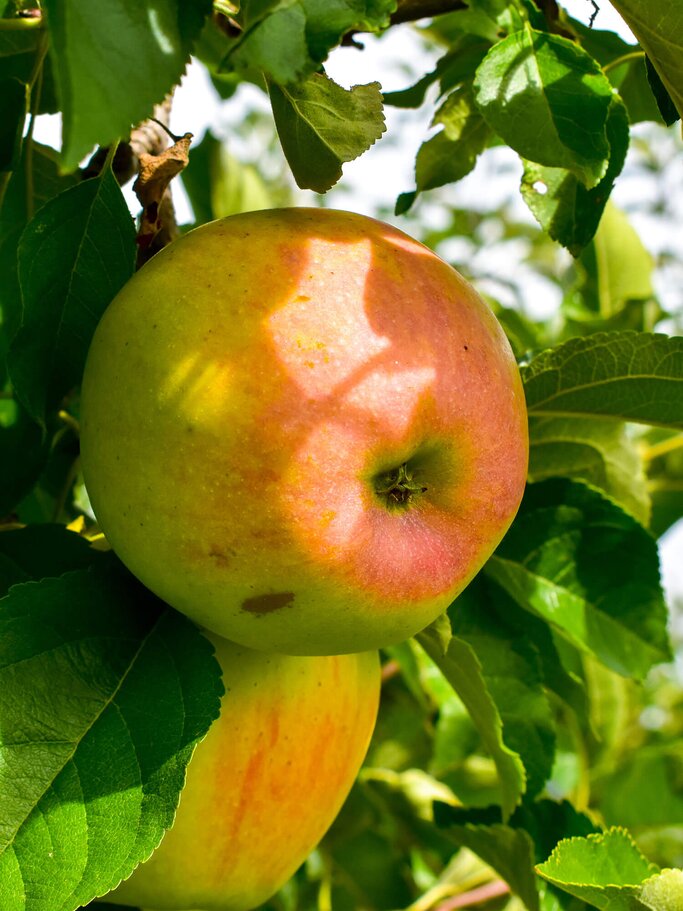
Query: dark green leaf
[[633, 376], [549, 821], [664, 454], [605, 870], [86, 661], [454, 68], [510, 851], [14, 98], [590, 570], [24, 448], [404, 201], [625, 68], [664, 103], [636, 92], [600, 452], [487, 19], [511, 668], [46, 182], [549, 101], [39, 551], [644, 791], [16, 43], [461, 667], [74, 256], [658, 26], [322, 125], [288, 41], [113, 60], [604, 45], [563, 206], [520, 625], [453, 152]]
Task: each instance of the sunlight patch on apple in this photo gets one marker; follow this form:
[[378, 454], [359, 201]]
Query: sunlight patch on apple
[[392, 396], [320, 354], [199, 390]]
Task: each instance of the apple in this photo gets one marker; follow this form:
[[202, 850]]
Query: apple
[[303, 429], [266, 782]]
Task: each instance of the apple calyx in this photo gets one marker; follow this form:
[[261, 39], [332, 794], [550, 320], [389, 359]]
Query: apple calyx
[[397, 487]]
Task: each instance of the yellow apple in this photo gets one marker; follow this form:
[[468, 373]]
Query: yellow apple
[[265, 784], [303, 429]]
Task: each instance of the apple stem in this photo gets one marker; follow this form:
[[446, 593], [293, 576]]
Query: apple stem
[[398, 486]]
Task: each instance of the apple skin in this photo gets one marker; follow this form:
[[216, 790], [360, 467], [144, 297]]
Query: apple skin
[[266, 782], [248, 401]]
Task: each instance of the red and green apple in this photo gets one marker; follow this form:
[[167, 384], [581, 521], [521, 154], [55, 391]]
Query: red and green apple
[[303, 429]]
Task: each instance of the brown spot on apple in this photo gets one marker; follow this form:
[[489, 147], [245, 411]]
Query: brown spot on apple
[[266, 604]]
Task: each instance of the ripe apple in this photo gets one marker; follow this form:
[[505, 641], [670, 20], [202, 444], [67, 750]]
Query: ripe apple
[[265, 784], [303, 429]]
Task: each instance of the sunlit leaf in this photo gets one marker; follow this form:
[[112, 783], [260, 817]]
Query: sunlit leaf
[[549, 101], [590, 570], [114, 60], [633, 376], [322, 125], [88, 785]]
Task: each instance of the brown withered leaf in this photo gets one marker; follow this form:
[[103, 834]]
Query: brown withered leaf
[[155, 174]]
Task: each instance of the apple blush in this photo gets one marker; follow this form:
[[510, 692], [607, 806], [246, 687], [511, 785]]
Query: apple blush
[[303, 429]]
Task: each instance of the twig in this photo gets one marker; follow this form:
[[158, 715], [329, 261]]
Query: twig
[[412, 11], [149, 138], [477, 896], [146, 154], [390, 670]]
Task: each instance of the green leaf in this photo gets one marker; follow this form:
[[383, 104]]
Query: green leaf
[[113, 61], [625, 266], [24, 448], [644, 790], [561, 204], [46, 182], [549, 821], [575, 559], [288, 41], [626, 71], [88, 784], [549, 101], [74, 256], [509, 851], [453, 152], [605, 870], [658, 26], [633, 376], [14, 101], [664, 891], [322, 125], [664, 454], [461, 667], [39, 551], [600, 452], [512, 849], [487, 19], [560, 676], [511, 669], [17, 43], [665, 104], [454, 68]]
